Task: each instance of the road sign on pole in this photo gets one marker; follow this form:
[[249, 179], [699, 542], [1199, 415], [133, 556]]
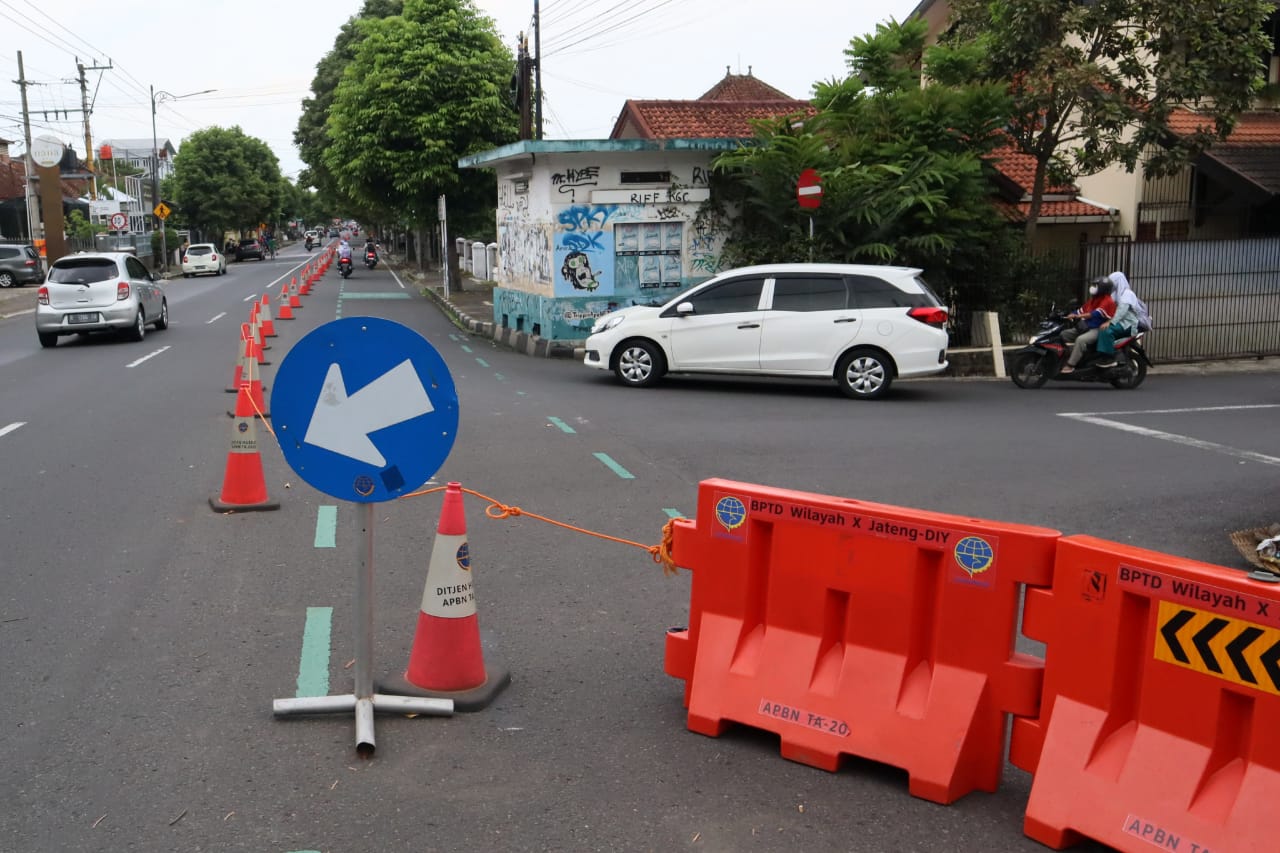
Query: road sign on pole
[[809, 189], [355, 419], [162, 210], [119, 221]]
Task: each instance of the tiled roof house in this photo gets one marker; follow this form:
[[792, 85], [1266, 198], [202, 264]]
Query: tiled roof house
[[725, 111]]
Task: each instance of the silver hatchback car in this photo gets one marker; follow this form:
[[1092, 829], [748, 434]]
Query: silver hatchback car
[[99, 292]]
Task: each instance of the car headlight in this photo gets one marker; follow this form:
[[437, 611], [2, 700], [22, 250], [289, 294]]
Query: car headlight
[[604, 324]]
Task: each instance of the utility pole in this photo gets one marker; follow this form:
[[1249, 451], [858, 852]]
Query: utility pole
[[537, 71], [23, 83], [88, 138], [522, 88]]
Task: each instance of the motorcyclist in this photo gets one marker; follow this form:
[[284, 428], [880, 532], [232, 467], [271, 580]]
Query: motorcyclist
[[1131, 315], [344, 251], [1097, 309]]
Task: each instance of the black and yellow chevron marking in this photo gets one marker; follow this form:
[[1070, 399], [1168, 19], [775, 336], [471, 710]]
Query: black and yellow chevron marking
[[1231, 649]]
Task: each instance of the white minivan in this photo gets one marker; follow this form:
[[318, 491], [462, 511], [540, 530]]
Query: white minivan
[[861, 325]]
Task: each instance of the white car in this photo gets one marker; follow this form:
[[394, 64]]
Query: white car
[[99, 292], [861, 325], [203, 258]]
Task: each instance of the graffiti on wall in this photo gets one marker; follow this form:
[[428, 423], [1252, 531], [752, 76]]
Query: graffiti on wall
[[704, 243], [524, 250], [570, 181], [558, 319], [584, 250], [701, 177]]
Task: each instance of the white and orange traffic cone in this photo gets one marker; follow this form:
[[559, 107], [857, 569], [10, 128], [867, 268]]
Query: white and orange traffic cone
[[286, 312], [251, 401], [244, 488], [294, 301], [446, 660], [265, 318]]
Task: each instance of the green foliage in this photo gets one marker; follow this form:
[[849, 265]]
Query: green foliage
[[903, 177], [225, 180], [421, 90], [1094, 84], [172, 241], [78, 226]]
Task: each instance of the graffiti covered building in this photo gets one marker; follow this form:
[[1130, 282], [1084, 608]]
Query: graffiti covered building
[[585, 227]]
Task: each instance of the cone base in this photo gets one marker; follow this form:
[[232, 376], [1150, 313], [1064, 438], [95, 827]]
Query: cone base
[[265, 389], [219, 506], [231, 414], [475, 699]]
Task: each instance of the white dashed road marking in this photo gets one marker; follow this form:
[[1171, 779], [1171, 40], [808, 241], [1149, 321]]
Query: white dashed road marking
[[1105, 419]]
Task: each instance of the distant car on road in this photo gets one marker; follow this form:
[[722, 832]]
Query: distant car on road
[[250, 247], [20, 264], [99, 292], [203, 258], [861, 325]]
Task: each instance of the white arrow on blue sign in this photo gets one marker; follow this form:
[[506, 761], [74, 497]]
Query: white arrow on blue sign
[[364, 409]]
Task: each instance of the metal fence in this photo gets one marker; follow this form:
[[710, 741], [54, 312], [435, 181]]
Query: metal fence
[[1209, 299]]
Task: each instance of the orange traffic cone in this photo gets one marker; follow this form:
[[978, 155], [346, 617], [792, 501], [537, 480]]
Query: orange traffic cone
[[265, 318], [446, 660], [286, 312], [244, 488], [250, 402], [255, 326], [294, 301], [242, 357]]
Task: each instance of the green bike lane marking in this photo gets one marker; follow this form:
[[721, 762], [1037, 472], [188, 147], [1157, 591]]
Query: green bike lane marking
[[563, 427], [326, 527], [313, 665], [614, 466]]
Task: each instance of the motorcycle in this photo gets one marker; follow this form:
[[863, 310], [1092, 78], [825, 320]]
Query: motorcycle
[[1044, 357], [309, 244], [344, 267], [370, 258]]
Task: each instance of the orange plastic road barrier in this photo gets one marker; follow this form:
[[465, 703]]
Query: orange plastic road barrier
[[286, 311], [1160, 723], [244, 488], [265, 318], [446, 660], [853, 628]]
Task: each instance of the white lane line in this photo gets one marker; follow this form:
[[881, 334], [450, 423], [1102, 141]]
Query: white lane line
[[11, 427], [250, 298], [145, 357], [1177, 411], [1187, 440], [397, 278], [215, 318]]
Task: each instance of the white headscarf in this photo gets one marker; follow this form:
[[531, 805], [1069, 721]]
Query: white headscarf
[[1124, 293]]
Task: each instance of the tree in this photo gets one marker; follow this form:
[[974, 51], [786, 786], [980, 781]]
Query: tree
[[903, 177], [225, 180], [1095, 83], [311, 135], [423, 89]]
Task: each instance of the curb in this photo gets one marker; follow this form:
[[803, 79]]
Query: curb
[[531, 345]]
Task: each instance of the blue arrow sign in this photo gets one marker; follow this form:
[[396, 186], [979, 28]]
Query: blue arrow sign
[[364, 409]]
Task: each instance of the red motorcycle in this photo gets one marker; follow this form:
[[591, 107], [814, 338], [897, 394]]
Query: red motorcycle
[[344, 267], [1045, 356]]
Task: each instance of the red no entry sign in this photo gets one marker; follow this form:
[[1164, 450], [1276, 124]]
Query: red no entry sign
[[809, 188]]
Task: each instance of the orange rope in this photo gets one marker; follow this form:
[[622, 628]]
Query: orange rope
[[660, 553]]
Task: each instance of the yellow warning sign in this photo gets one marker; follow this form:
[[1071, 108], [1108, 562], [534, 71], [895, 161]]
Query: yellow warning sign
[[1231, 649], [162, 210]]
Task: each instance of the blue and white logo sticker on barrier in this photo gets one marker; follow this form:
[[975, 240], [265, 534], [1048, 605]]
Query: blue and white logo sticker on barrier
[[364, 409]]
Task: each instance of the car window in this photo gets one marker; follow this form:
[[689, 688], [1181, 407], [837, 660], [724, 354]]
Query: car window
[[200, 250], [739, 294], [135, 268], [810, 293], [31, 253], [84, 271], [248, 243], [8, 253], [869, 291]]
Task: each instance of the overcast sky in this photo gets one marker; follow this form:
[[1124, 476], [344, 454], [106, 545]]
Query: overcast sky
[[261, 57]]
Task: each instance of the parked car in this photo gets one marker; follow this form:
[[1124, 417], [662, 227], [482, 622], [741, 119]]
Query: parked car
[[861, 325], [250, 247], [203, 258], [20, 264], [99, 292]]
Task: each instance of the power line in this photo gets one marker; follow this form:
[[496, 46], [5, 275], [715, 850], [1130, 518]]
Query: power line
[[577, 28], [612, 27]]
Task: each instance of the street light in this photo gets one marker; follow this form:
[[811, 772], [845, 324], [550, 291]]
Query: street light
[[155, 165]]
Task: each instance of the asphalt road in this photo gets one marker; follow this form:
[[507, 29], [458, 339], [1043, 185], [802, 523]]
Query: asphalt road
[[143, 636]]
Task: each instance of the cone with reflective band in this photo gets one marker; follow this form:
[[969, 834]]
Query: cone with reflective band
[[255, 326], [286, 312], [294, 301], [251, 399], [241, 351], [265, 318], [244, 488], [446, 659]]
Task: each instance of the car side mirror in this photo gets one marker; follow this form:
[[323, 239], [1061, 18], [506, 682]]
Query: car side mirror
[[684, 308]]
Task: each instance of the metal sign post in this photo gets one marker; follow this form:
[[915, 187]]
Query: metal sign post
[[444, 245], [325, 436]]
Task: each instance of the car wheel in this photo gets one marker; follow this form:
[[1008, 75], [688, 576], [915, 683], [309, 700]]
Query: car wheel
[[139, 329], [1031, 369], [47, 340], [162, 322], [639, 363], [864, 374], [6, 279], [186, 275]]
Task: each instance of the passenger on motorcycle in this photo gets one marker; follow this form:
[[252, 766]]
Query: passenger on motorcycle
[[344, 251], [1097, 309], [1131, 316]]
